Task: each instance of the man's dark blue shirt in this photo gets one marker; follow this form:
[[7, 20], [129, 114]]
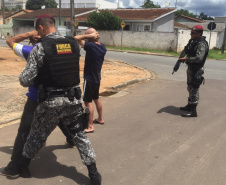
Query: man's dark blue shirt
[[93, 61]]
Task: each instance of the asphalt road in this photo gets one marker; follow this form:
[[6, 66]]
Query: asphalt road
[[144, 139]]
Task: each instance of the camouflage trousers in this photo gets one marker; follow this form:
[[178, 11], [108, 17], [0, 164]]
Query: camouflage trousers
[[47, 116], [194, 80]]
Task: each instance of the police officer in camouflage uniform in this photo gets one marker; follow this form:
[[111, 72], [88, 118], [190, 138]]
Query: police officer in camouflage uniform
[[197, 50], [53, 67]]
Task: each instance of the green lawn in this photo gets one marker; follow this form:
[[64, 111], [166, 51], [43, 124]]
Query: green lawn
[[213, 54]]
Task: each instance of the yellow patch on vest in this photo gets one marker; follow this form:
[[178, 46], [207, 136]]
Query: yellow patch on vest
[[63, 48]]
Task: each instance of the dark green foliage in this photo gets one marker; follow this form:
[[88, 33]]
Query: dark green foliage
[[149, 4], [202, 16], [17, 8], [184, 12], [37, 4], [34, 4], [104, 20], [50, 4]]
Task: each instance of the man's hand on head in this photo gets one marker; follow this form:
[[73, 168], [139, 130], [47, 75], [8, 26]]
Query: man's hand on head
[[95, 35]]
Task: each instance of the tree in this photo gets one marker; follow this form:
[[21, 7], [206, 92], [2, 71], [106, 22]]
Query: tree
[[34, 4], [37, 4], [50, 4], [149, 4], [104, 20], [17, 8], [202, 16], [184, 12]]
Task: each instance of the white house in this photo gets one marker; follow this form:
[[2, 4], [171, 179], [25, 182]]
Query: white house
[[101, 4], [13, 3]]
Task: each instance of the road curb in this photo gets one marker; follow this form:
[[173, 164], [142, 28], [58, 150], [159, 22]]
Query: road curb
[[141, 52], [150, 76], [9, 120], [151, 53]]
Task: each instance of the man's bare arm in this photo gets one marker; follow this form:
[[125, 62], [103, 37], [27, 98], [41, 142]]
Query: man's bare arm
[[81, 38], [19, 38]]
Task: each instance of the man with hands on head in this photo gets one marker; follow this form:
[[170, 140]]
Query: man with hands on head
[[95, 52], [14, 169]]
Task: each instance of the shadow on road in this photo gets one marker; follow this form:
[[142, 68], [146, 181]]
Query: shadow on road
[[171, 110], [45, 165]]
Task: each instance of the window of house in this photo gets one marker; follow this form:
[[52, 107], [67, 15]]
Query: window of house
[[127, 28], [144, 27], [140, 28], [147, 27]]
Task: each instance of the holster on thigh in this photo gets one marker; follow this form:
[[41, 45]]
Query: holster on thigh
[[81, 123]]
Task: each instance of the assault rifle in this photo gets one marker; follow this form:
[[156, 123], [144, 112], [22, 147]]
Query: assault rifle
[[177, 65]]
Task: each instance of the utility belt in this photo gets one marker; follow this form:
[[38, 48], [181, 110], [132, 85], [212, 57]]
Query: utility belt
[[45, 93]]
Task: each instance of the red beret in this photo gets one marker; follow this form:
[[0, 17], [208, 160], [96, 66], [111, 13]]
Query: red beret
[[42, 17], [197, 27]]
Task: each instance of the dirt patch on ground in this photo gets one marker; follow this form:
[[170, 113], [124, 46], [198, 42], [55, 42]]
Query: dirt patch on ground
[[13, 97]]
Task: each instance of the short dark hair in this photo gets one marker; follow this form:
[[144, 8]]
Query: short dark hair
[[45, 21]]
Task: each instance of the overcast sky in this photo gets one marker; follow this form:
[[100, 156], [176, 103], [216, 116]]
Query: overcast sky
[[209, 7]]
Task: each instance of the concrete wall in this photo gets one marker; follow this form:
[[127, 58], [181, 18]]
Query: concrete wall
[[220, 39], [184, 36], [154, 40], [150, 40], [164, 24]]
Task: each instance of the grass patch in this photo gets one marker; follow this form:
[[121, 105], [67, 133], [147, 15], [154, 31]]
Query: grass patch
[[213, 54], [216, 54], [143, 50]]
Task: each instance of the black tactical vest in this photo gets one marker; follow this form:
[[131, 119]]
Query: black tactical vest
[[191, 51], [61, 63]]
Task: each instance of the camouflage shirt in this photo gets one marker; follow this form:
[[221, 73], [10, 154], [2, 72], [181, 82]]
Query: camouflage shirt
[[201, 50]]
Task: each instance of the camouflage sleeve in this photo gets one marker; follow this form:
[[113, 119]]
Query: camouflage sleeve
[[200, 53], [34, 62]]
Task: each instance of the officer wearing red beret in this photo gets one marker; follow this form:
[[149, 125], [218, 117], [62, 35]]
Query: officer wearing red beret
[[196, 50]]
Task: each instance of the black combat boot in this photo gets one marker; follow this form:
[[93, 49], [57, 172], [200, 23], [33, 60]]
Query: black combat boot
[[11, 170], [23, 167], [187, 107], [192, 112], [94, 175]]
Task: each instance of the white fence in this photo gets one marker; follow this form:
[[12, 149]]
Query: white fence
[[155, 40], [174, 41], [149, 40]]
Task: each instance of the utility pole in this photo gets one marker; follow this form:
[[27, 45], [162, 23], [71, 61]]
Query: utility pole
[[59, 12], [118, 4], [72, 17], [176, 4], [3, 11], [224, 39]]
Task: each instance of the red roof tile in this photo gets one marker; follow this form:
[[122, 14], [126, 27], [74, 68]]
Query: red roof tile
[[65, 12], [135, 14], [177, 24], [191, 18]]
